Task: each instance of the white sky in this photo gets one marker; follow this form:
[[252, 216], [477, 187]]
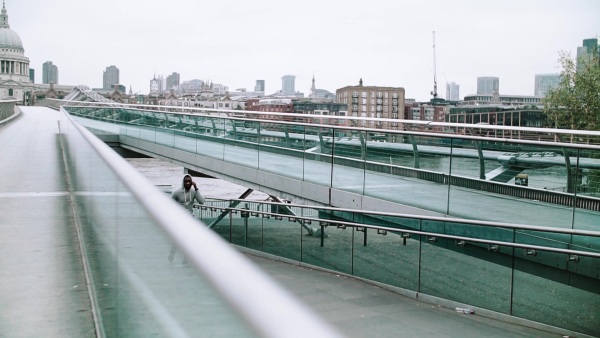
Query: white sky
[[386, 42]]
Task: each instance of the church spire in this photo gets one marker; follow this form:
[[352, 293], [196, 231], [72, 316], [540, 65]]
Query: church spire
[[4, 17]]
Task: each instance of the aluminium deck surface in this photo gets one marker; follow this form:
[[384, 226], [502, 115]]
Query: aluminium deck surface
[[42, 284]]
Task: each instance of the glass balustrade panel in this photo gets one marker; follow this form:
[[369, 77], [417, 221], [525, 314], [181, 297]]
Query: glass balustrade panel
[[281, 235], [547, 293], [165, 135], [330, 247], [185, 130], [142, 282], [282, 149], [348, 161], [318, 160], [240, 143], [389, 257], [587, 182], [469, 274], [210, 138]]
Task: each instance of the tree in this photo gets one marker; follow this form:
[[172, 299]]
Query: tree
[[575, 102]]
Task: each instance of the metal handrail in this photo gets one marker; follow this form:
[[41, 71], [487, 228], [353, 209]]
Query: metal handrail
[[281, 316], [163, 109], [515, 226], [430, 234]]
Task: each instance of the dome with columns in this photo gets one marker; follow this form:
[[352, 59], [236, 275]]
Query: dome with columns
[[9, 39], [14, 65]]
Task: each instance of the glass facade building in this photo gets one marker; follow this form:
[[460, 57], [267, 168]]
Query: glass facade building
[[545, 82], [488, 85], [110, 77], [49, 73]]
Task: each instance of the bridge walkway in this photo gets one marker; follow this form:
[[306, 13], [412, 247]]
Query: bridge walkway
[[42, 282]]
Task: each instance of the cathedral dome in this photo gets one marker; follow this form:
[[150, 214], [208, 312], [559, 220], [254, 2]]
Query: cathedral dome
[[10, 39]]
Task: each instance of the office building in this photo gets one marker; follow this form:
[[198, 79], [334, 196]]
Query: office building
[[373, 102], [288, 85], [488, 85], [162, 84], [584, 52], [49, 73], [260, 86], [506, 100], [192, 86], [31, 75], [110, 78], [545, 82], [173, 82], [452, 91]]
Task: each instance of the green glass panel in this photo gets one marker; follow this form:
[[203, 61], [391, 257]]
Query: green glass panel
[[240, 145], [317, 168], [138, 274], [348, 162], [255, 232], [209, 141], [469, 274], [282, 152], [347, 148], [387, 257], [220, 222], [581, 264], [480, 232], [556, 297], [164, 135], [318, 160], [282, 237], [239, 228], [587, 178], [336, 251]]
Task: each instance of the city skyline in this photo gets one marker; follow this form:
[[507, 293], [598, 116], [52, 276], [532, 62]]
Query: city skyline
[[239, 43]]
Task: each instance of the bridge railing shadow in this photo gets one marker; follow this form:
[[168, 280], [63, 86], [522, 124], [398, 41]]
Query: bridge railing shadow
[[529, 272]]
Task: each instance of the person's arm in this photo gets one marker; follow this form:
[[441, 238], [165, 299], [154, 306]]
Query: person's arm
[[198, 196]]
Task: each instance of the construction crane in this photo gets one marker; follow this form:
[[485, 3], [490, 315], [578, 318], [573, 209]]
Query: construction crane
[[434, 92]]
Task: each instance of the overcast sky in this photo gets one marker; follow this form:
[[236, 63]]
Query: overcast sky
[[384, 42]]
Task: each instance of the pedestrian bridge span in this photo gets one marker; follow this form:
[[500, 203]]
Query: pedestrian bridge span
[[121, 224], [378, 176]]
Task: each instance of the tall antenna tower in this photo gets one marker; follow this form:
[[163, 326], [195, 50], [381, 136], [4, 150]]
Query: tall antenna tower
[[434, 92]]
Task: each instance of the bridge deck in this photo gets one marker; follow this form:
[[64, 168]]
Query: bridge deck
[[42, 283]]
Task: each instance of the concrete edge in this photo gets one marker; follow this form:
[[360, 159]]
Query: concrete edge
[[433, 300], [11, 118]]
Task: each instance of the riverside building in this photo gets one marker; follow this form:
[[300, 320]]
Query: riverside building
[[373, 102]]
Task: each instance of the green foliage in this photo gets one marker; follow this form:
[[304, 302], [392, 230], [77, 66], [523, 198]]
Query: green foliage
[[575, 102]]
